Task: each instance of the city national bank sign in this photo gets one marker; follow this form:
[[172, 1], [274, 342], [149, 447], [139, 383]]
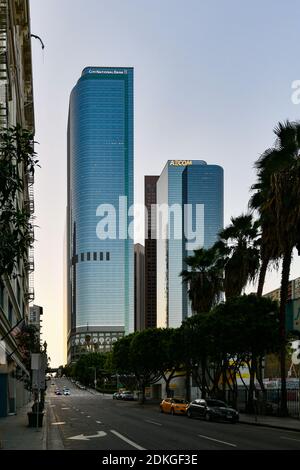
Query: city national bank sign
[[181, 162]]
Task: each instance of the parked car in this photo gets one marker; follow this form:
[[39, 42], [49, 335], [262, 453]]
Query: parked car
[[174, 406], [127, 396], [57, 392], [117, 396], [212, 410], [66, 391]]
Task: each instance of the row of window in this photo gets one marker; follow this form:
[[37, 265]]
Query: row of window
[[92, 256]]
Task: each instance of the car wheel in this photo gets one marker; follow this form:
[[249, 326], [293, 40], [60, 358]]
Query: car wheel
[[189, 414]]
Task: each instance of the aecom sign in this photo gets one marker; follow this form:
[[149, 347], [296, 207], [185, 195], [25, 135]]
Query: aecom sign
[[181, 162]]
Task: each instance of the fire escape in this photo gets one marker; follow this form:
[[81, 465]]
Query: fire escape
[[3, 63], [30, 264]]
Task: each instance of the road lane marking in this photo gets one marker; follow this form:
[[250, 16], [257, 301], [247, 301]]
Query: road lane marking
[[82, 412], [98, 422], [65, 408], [152, 422], [289, 439], [216, 440], [133, 444], [82, 437], [88, 416], [58, 423]]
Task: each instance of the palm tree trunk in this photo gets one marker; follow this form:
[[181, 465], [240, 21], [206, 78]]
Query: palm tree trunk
[[262, 275], [286, 264]]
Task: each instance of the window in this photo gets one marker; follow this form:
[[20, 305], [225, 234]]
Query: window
[[82, 256], [18, 293], [95, 256], [107, 256], [10, 312], [101, 256], [1, 294], [89, 256]]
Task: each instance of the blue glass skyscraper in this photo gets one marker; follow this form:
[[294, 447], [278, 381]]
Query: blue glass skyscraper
[[189, 202], [100, 172]]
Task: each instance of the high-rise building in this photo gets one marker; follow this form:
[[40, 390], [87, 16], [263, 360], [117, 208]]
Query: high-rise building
[[189, 216], [100, 290], [35, 314], [150, 252], [16, 107], [139, 287]]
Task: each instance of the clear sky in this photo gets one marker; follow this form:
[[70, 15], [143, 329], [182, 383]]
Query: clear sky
[[212, 79]]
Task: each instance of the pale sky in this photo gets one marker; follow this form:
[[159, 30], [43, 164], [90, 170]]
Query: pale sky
[[212, 79]]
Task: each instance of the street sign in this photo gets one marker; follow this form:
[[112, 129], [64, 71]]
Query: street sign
[[38, 380], [36, 361]]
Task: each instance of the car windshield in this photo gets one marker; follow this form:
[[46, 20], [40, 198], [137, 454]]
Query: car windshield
[[177, 400], [216, 403]]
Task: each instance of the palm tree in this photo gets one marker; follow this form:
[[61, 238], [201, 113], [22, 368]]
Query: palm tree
[[238, 248], [277, 200], [204, 279]]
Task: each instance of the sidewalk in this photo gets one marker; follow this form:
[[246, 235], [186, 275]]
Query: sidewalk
[[16, 435], [291, 424]]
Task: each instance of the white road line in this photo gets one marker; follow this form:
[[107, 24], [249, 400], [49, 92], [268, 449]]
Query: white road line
[[289, 439], [152, 422], [98, 422], [82, 412], [216, 440], [65, 408], [58, 423], [133, 444], [88, 416]]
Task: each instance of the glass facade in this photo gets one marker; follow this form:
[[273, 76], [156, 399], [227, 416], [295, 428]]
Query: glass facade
[[100, 171], [195, 190]]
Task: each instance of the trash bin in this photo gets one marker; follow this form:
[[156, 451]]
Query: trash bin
[[35, 419]]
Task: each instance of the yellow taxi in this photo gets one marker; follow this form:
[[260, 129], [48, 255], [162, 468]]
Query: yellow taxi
[[174, 406]]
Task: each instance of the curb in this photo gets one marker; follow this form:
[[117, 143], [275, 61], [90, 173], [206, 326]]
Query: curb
[[45, 430], [274, 426]]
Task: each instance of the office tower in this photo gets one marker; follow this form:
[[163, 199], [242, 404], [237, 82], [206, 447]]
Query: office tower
[[35, 314], [139, 287], [189, 216], [150, 253], [16, 107], [100, 255]]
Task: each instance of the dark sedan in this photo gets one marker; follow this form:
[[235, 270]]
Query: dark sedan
[[212, 410]]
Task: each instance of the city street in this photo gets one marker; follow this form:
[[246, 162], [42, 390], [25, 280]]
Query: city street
[[88, 421]]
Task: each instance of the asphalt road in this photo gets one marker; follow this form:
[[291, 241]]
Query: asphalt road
[[88, 421]]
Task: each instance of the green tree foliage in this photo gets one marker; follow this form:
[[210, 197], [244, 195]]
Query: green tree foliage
[[238, 248], [27, 340], [204, 279], [17, 164], [85, 367], [277, 199]]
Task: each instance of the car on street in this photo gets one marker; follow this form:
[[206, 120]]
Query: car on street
[[58, 392], [117, 396], [66, 391], [127, 396], [212, 410], [174, 406]]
